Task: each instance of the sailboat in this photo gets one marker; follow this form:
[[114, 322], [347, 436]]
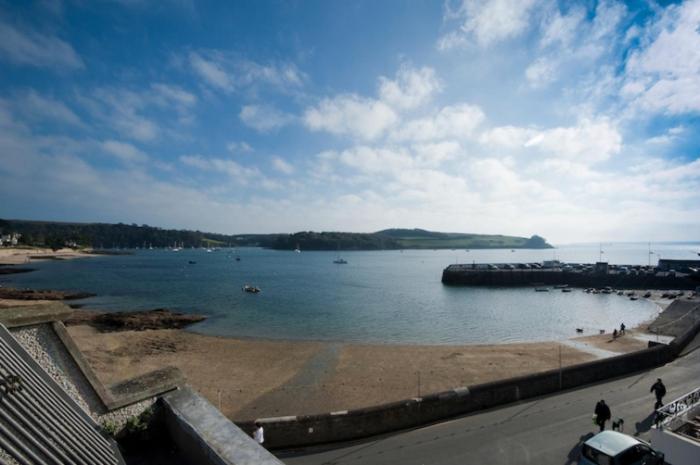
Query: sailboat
[[339, 260], [297, 250]]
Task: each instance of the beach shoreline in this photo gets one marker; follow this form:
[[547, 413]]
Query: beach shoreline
[[255, 378], [23, 255]]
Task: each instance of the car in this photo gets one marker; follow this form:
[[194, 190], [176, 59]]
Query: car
[[614, 448]]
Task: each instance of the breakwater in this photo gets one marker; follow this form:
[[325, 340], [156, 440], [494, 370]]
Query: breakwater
[[466, 275]]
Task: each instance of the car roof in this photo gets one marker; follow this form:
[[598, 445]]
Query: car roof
[[611, 442]]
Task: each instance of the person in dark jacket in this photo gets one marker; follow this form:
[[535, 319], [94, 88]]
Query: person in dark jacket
[[659, 390], [602, 414]]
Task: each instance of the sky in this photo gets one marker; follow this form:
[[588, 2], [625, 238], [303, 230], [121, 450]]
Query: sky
[[574, 120]]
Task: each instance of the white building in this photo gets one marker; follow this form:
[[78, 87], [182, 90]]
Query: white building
[[678, 434]]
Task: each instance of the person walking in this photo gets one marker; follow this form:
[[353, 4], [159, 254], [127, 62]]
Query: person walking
[[602, 414], [622, 328], [259, 433], [659, 390]]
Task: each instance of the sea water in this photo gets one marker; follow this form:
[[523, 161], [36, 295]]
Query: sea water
[[393, 297]]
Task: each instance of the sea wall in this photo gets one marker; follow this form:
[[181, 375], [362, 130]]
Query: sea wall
[[297, 431], [517, 277]]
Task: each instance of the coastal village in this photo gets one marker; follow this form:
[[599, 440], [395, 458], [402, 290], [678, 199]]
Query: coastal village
[[127, 358]]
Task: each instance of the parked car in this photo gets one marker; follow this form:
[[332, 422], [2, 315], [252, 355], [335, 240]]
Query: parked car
[[613, 448]]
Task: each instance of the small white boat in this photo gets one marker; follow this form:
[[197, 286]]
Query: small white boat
[[251, 289]]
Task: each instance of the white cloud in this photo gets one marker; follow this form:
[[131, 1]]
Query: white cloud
[[175, 94], [228, 72], [124, 151], [351, 115], [588, 142], [512, 137], [452, 122], [540, 73], [282, 166], [239, 147], [558, 29], [122, 110], [211, 70], [39, 107], [26, 47], [664, 75], [411, 88], [487, 21], [264, 118], [230, 168]]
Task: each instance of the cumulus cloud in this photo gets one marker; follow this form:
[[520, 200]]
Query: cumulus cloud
[[350, 114], [588, 142], [453, 122], [486, 22], [411, 88], [282, 166], [664, 75], [32, 48], [264, 118], [540, 73]]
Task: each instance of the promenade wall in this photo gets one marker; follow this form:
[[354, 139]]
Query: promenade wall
[[456, 276], [297, 431]]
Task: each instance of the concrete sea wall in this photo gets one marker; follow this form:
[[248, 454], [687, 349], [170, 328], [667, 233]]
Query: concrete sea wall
[[553, 277], [296, 431]]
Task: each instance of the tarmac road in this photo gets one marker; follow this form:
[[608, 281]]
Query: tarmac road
[[547, 430]]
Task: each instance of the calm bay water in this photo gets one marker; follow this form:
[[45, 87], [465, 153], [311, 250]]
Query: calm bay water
[[378, 297]]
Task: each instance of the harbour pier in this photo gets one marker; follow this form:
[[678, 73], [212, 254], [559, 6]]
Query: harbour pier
[[598, 275]]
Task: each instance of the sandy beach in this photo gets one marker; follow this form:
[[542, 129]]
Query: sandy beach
[[256, 378], [24, 255]]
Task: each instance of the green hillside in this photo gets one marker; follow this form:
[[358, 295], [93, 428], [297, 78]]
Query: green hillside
[[104, 235]]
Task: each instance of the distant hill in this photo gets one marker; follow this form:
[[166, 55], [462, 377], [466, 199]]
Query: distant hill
[[105, 235], [422, 239]]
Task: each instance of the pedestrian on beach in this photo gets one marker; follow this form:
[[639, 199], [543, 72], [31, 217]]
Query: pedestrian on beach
[[602, 414], [659, 390], [614, 333], [622, 329], [259, 433]]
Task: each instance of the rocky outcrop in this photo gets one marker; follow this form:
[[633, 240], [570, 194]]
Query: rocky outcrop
[[37, 294], [160, 318]]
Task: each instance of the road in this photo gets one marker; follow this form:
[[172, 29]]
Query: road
[[546, 430]]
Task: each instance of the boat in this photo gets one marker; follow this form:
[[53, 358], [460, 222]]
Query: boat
[[340, 261], [251, 289], [238, 259], [541, 289], [566, 289], [192, 262]]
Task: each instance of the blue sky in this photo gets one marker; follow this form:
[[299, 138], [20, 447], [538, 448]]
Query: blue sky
[[577, 121]]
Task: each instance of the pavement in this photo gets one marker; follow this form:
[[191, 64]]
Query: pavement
[[546, 430]]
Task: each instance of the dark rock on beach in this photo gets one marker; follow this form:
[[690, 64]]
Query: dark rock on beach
[[13, 270], [35, 294], [160, 318]]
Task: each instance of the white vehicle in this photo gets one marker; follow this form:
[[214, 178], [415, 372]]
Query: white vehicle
[[613, 448]]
